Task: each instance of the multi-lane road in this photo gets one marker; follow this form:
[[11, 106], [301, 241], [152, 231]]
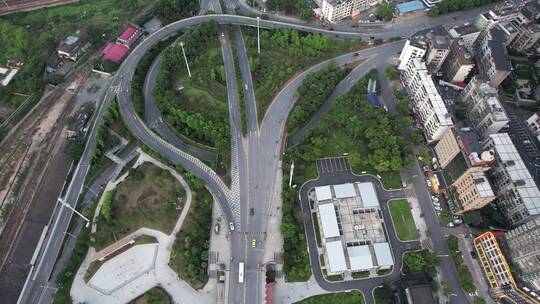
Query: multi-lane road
[[255, 161]]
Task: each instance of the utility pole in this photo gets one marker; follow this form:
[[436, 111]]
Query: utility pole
[[258, 36], [76, 212], [185, 58], [291, 175]]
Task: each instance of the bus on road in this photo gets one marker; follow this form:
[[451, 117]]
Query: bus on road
[[241, 272]]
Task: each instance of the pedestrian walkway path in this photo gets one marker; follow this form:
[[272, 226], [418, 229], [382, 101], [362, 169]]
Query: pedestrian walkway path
[[417, 214], [141, 267], [285, 293]]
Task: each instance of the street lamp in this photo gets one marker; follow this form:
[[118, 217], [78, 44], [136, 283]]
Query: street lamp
[[258, 36], [76, 212], [185, 58]]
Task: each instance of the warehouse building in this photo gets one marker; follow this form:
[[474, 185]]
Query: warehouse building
[[352, 228]]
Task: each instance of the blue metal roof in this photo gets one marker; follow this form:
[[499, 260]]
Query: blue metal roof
[[410, 6], [374, 100]]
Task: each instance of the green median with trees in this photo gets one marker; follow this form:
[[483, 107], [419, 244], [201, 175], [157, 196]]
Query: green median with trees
[[313, 92], [370, 136], [189, 255], [449, 6], [464, 274], [299, 8], [352, 297], [403, 220], [284, 53], [196, 107]]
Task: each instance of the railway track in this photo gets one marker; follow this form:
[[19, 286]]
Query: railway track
[[13, 6]]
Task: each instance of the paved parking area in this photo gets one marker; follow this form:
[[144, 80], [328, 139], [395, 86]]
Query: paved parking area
[[333, 165]]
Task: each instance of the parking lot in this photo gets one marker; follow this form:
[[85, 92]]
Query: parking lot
[[333, 165]]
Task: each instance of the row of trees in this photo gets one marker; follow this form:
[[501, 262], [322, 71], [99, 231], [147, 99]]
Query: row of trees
[[464, 274], [172, 10], [296, 44], [190, 250], [448, 6], [293, 7], [314, 91], [296, 258]]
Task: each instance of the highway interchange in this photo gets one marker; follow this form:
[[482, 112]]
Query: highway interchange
[[255, 158]]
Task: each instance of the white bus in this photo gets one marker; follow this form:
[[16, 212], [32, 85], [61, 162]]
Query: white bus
[[241, 272]]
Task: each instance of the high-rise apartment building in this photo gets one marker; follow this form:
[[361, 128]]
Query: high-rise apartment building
[[336, 10], [468, 33], [491, 56], [414, 48], [438, 48], [524, 246], [427, 103], [484, 109], [459, 63], [464, 163], [518, 196]]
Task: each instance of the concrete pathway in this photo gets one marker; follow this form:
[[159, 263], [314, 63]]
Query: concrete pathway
[[124, 277], [285, 293]]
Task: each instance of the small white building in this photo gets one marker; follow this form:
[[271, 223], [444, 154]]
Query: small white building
[[336, 257], [412, 49]]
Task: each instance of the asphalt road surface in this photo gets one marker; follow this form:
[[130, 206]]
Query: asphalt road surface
[[259, 172]]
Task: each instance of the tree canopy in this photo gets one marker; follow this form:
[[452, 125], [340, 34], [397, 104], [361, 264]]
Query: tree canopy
[[172, 10], [294, 7], [448, 6], [386, 10]]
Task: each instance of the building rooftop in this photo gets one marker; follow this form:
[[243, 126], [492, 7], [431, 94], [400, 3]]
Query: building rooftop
[[323, 193], [336, 256], [438, 38], [420, 295], [463, 56], [330, 228], [383, 254], [520, 176], [482, 184], [368, 195], [437, 102], [498, 50], [114, 52], [344, 190], [360, 257], [465, 29]]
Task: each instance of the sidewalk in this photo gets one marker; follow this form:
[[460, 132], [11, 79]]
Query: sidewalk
[[285, 293], [142, 267]]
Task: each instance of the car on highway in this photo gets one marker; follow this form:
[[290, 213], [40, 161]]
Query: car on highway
[[355, 54], [253, 243], [251, 211], [231, 224]]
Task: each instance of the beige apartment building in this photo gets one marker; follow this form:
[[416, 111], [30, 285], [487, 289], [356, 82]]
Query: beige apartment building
[[464, 164]]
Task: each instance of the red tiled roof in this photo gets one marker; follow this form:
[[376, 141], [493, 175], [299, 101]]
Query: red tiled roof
[[269, 293], [114, 52], [127, 33]]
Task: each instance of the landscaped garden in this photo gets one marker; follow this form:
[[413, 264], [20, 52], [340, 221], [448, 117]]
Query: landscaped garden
[[196, 107], [150, 197], [352, 297], [284, 53], [403, 220]]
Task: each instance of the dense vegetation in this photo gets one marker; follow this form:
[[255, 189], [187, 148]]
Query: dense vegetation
[[385, 11], [149, 197], [420, 261], [370, 136], [172, 10], [189, 256], [65, 279], [448, 6], [296, 257], [196, 107], [284, 52], [156, 296], [464, 274], [31, 37], [313, 92], [293, 7], [352, 297]]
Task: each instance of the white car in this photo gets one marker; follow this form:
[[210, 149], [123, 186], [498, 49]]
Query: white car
[[438, 208], [428, 183], [437, 204], [231, 224]]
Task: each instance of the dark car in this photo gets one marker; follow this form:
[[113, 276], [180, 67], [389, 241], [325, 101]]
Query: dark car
[[473, 254], [356, 54], [251, 211]]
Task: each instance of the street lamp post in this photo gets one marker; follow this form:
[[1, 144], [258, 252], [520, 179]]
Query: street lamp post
[[185, 58], [76, 212], [258, 36]]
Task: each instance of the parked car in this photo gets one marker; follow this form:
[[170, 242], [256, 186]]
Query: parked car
[[438, 208], [428, 183], [231, 224], [473, 254], [253, 243]]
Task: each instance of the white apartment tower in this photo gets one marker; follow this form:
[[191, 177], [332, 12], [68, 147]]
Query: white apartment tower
[[426, 101], [484, 109]]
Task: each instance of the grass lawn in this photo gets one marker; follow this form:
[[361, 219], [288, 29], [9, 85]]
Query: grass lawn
[[155, 295], [353, 297], [403, 220], [150, 197]]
